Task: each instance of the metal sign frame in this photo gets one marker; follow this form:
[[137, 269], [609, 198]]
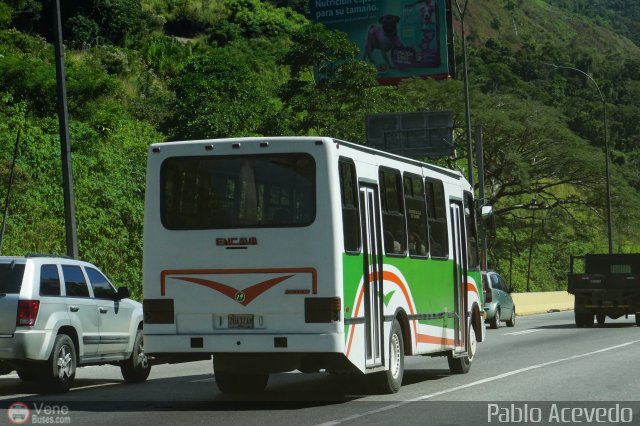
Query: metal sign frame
[[412, 134]]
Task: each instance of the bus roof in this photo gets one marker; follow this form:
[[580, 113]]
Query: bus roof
[[451, 173]]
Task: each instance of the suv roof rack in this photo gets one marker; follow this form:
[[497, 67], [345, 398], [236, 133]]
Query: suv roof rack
[[61, 256]]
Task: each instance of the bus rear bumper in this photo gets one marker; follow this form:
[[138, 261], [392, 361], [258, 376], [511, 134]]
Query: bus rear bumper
[[251, 353], [245, 343]]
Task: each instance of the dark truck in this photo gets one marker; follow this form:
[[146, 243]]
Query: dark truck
[[608, 287]]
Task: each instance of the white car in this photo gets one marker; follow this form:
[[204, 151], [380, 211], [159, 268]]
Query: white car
[[58, 313]]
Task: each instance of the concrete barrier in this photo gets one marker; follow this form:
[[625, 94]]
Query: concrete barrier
[[537, 303]]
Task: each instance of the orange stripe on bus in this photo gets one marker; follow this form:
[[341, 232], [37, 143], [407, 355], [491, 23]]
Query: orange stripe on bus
[[166, 273], [355, 314], [388, 276], [425, 338], [420, 338]]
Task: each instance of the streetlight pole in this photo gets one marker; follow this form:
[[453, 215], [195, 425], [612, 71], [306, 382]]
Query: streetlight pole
[[606, 149], [467, 107]]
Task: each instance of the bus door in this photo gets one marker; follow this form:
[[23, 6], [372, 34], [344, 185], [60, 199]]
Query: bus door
[[459, 276], [372, 271]]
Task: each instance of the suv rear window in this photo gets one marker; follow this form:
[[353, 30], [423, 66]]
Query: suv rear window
[[11, 277]]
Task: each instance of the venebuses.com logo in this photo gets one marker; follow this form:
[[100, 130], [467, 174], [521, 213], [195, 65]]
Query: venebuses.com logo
[[19, 413]]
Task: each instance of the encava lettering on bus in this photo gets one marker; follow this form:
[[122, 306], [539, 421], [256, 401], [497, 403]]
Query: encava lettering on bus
[[241, 241]]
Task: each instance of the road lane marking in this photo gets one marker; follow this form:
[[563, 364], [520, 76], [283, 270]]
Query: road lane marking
[[212, 379], [208, 379], [476, 383], [73, 389], [16, 396], [518, 333]]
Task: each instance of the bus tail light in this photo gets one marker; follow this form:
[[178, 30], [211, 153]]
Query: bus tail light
[[27, 312], [158, 311], [322, 309]]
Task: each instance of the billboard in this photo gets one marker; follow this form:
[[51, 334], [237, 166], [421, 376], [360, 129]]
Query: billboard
[[412, 134], [401, 38]]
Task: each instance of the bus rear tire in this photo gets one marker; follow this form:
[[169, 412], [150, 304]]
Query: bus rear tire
[[390, 381], [462, 365], [239, 383]]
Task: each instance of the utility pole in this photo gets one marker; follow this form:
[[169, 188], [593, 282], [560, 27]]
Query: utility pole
[[65, 144], [7, 201]]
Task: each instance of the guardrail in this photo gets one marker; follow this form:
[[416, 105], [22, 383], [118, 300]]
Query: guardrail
[[537, 303]]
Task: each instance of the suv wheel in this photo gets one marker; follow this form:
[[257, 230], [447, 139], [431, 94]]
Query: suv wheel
[[61, 364], [137, 368]]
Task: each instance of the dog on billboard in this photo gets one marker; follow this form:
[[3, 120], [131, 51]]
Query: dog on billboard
[[383, 36], [427, 10]]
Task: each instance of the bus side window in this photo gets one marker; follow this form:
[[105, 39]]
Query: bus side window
[[350, 209], [415, 210], [437, 214], [393, 219]]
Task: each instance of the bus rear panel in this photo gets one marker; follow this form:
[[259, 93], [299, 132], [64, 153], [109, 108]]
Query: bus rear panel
[[239, 250]]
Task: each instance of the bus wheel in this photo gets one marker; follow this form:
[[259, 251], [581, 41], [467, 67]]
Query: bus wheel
[[462, 365], [389, 381], [232, 382]]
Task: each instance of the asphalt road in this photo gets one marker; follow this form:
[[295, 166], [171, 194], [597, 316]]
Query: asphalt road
[[542, 371]]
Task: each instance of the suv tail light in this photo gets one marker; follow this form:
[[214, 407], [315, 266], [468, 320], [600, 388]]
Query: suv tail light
[[27, 312], [488, 294]]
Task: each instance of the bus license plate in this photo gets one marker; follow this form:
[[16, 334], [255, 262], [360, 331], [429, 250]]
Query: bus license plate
[[240, 321]]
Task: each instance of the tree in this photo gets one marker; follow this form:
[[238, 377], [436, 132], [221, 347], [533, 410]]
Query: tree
[[346, 89], [218, 95], [542, 179]]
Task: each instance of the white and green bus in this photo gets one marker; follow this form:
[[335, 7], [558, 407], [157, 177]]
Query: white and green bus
[[309, 253]]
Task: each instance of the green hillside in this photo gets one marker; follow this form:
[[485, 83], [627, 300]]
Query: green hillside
[[144, 71]]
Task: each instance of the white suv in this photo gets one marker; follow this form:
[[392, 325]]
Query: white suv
[[58, 313]]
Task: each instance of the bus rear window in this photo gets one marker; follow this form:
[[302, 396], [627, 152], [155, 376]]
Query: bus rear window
[[238, 192]]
